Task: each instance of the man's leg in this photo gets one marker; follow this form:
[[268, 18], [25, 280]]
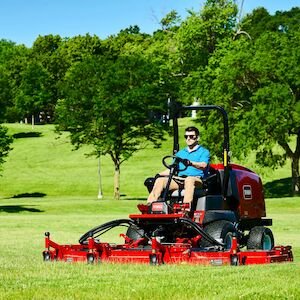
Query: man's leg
[[189, 187], [159, 185]]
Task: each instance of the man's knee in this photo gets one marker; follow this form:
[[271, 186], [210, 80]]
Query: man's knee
[[160, 181], [192, 182]]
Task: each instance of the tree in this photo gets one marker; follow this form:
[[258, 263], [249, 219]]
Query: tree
[[258, 83], [45, 53], [5, 98], [259, 21], [170, 20], [5, 141], [13, 60], [34, 93], [77, 48], [199, 35], [53, 56], [107, 104], [256, 22], [5, 91]]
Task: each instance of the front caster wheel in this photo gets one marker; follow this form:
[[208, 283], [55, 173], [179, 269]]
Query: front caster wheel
[[260, 238]]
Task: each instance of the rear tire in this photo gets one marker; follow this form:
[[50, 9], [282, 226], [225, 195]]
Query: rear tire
[[221, 231], [260, 238]]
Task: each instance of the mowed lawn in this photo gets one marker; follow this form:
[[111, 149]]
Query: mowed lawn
[[24, 275], [55, 189]]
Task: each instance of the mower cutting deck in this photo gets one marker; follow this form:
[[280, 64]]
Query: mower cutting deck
[[158, 254], [225, 225], [155, 252]]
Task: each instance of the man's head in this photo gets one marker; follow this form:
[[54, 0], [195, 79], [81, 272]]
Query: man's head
[[191, 136]]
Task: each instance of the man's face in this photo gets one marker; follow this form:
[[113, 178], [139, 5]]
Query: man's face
[[191, 138]]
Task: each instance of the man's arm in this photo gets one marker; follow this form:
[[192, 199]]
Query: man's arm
[[198, 165], [204, 159]]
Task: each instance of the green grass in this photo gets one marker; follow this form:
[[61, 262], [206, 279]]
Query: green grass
[[64, 187], [24, 275]]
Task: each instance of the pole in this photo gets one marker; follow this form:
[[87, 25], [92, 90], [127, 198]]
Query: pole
[[100, 195]]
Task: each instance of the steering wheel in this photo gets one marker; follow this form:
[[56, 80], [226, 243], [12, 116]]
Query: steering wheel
[[175, 162]]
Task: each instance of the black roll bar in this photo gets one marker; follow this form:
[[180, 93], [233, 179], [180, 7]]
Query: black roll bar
[[175, 110]]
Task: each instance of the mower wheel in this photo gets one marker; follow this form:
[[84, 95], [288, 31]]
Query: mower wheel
[[260, 238], [153, 260], [46, 256], [90, 258], [135, 233], [222, 231]]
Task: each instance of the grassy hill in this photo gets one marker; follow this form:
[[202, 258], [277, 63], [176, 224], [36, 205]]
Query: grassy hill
[[42, 163]]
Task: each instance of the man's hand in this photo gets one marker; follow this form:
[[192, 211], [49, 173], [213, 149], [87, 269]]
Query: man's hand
[[187, 162]]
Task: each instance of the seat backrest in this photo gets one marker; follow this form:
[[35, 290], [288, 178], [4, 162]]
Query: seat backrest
[[213, 182], [149, 183]]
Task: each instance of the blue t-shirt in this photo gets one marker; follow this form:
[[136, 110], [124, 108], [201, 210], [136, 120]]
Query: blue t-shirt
[[200, 154]]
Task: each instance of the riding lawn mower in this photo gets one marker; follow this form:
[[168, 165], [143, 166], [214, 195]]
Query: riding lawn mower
[[225, 225]]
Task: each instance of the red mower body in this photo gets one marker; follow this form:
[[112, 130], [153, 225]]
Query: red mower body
[[246, 189]]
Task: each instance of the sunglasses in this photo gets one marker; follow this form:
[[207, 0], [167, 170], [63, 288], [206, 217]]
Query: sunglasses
[[190, 136]]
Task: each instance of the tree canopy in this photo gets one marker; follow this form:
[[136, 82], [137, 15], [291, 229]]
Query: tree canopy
[[258, 84], [108, 104], [5, 142], [110, 93]]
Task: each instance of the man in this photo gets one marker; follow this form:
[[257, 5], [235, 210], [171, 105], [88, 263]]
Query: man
[[197, 159]]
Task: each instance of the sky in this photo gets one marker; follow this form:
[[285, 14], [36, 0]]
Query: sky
[[22, 21]]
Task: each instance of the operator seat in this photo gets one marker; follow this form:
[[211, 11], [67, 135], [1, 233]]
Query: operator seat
[[206, 197]]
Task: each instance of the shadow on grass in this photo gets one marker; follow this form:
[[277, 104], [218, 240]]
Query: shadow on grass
[[30, 195], [139, 199], [17, 209], [125, 197], [21, 135], [279, 188]]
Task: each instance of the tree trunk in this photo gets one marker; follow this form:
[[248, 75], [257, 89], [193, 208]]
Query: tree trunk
[[100, 194], [295, 176], [294, 156], [295, 167], [116, 159], [117, 181]]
